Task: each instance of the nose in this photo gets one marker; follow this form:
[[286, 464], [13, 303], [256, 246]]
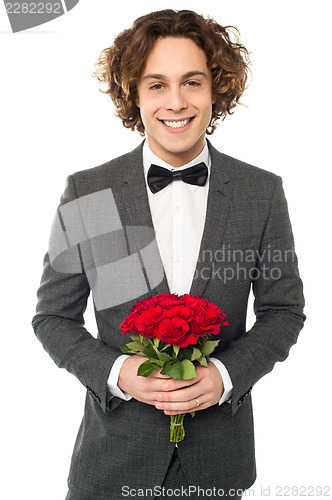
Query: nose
[[176, 100]]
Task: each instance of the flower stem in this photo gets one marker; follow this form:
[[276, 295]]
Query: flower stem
[[176, 428]]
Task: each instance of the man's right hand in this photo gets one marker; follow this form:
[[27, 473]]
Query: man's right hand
[[144, 389]]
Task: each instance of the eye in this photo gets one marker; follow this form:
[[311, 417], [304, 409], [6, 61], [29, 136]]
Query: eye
[[193, 83], [156, 86]]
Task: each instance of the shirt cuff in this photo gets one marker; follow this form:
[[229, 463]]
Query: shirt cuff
[[228, 386], [112, 382]]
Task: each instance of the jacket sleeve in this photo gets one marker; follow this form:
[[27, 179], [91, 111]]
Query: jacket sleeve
[[62, 301], [278, 305]]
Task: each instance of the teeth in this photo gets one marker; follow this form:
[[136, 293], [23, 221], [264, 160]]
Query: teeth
[[177, 124]]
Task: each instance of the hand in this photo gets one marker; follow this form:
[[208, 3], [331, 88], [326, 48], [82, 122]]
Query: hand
[[181, 396], [144, 389]]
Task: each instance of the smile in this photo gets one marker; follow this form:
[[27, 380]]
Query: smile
[[177, 123]]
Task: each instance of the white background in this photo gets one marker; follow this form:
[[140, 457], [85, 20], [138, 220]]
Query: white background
[[54, 122]]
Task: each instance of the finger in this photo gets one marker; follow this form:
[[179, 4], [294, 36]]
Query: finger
[[158, 375], [174, 385], [146, 388], [175, 408], [185, 394], [182, 392], [166, 400]]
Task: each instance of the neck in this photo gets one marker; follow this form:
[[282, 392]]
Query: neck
[[176, 159]]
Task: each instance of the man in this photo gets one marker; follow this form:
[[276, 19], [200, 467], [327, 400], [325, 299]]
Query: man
[[125, 231]]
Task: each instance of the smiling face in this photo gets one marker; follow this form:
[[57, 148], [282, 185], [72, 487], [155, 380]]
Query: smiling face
[[175, 99]]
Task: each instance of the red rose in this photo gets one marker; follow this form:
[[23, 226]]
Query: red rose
[[220, 316], [175, 331], [128, 325], [205, 322], [176, 320], [190, 301], [143, 305], [147, 321], [167, 300], [180, 312]]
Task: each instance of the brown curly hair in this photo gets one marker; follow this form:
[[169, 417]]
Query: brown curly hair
[[121, 65]]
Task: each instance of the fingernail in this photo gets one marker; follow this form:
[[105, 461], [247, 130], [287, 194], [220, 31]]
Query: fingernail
[[159, 396], [159, 406], [165, 386]]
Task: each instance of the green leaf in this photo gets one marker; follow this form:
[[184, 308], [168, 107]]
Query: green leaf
[[192, 413], [167, 366], [124, 348], [146, 368], [135, 346], [158, 362], [196, 354], [136, 338], [156, 342], [176, 349], [173, 370], [185, 353], [209, 346], [163, 356], [149, 351], [202, 361], [188, 369]]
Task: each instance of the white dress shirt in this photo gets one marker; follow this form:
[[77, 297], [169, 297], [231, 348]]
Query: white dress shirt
[[178, 213]]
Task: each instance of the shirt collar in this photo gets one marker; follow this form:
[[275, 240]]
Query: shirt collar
[[149, 157]]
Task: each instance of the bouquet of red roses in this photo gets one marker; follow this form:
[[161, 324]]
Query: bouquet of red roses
[[173, 332]]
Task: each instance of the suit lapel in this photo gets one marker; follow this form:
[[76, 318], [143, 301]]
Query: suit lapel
[[133, 190], [218, 206], [134, 199]]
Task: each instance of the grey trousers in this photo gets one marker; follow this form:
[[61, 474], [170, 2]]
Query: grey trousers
[[175, 484]]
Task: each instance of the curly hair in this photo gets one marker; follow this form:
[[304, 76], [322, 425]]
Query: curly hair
[[121, 65]]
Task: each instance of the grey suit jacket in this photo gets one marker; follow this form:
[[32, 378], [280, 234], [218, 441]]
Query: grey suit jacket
[[247, 242]]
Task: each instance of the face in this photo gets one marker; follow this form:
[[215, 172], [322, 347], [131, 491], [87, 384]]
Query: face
[[175, 100]]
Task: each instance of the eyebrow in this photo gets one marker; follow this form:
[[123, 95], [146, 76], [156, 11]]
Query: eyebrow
[[159, 76]]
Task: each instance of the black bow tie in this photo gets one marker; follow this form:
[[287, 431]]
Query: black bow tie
[[159, 177]]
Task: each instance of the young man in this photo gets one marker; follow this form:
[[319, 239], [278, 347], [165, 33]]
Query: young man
[[128, 229]]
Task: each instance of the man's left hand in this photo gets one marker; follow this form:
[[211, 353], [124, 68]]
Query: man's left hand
[[184, 396]]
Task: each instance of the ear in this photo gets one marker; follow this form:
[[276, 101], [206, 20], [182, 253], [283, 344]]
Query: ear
[[137, 101], [214, 97]]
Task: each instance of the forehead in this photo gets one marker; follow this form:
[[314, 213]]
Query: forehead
[[169, 55]]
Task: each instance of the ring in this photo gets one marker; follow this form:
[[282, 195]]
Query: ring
[[197, 402]]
